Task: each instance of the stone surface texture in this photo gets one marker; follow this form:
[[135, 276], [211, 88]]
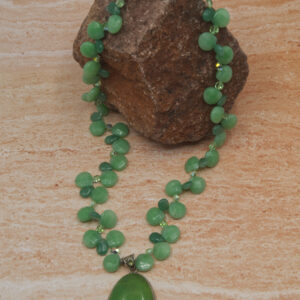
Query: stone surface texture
[[158, 72], [239, 239]]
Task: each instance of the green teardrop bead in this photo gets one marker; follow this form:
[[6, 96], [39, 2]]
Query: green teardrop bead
[[132, 286]]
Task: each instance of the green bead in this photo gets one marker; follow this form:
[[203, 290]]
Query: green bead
[[99, 46], [144, 262], [84, 179], [217, 129], [115, 239], [220, 139], [99, 195], [224, 74], [171, 233], [120, 129], [202, 163], [93, 94], [95, 30], [198, 185], [212, 95], [102, 247], [173, 188], [109, 219], [111, 263], [97, 128], [227, 56], [207, 41], [161, 251], [118, 162], [192, 164], [208, 14], [120, 3], [91, 238], [222, 101], [121, 146], [114, 24], [156, 237], [155, 216], [91, 68], [105, 166], [109, 178], [96, 116], [86, 191], [217, 114], [221, 18], [103, 73], [84, 214], [111, 139], [113, 9], [229, 121], [102, 108], [177, 210], [87, 79], [212, 157], [163, 204], [88, 49]]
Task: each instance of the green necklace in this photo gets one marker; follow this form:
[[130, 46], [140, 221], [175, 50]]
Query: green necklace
[[134, 286]]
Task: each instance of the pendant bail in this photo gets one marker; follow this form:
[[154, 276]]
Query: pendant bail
[[129, 261]]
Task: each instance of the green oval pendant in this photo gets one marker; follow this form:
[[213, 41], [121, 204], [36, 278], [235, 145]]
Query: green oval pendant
[[132, 286]]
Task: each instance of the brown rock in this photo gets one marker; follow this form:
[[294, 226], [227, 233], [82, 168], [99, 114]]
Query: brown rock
[[158, 72]]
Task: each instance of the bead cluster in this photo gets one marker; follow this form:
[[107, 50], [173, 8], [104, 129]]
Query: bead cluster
[[88, 184]]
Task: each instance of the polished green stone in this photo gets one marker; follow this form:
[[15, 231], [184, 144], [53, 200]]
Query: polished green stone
[[111, 263], [217, 114], [97, 128], [132, 286], [155, 216], [224, 74], [91, 68], [226, 57], [115, 239], [161, 251], [84, 179], [121, 146], [212, 157], [118, 162], [144, 262], [114, 24], [95, 30], [173, 188], [108, 219], [156, 237], [207, 41], [91, 238], [99, 195], [221, 17], [177, 210], [229, 121], [198, 185], [84, 214], [212, 95], [109, 178], [88, 49], [102, 247], [171, 233], [120, 129], [163, 204], [220, 139]]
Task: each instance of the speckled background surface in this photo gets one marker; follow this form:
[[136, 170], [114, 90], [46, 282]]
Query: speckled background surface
[[240, 239]]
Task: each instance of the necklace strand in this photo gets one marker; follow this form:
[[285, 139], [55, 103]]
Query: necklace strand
[[95, 187]]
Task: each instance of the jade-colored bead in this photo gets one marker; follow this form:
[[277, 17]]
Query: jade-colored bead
[[207, 41], [120, 129], [102, 247], [221, 17], [109, 219], [229, 121], [192, 164], [212, 95], [217, 114], [227, 56], [91, 238], [97, 128], [88, 79], [156, 237], [115, 239], [161, 251], [86, 191], [173, 188], [110, 139], [84, 179], [177, 210], [144, 262], [84, 214], [99, 195], [212, 158], [224, 74], [121, 146], [163, 204], [105, 166], [198, 185], [114, 24], [103, 109], [99, 46], [88, 49], [95, 30], [93, 94], [208, 14], [111, 263], [118, 162], [171, 233], [109, 178], [91, 68], [220, 139], [155, 216]]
